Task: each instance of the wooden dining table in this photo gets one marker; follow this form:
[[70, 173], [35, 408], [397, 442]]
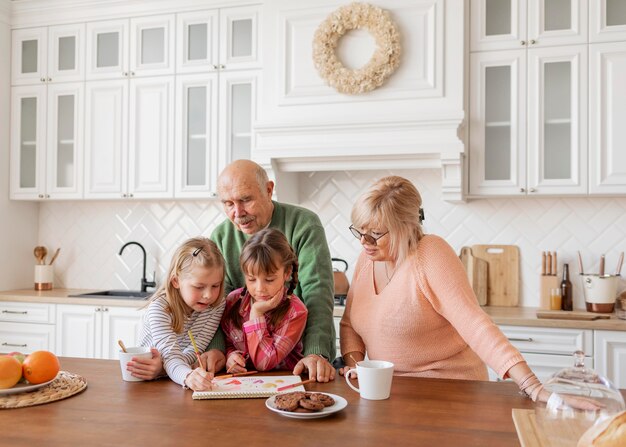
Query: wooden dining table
[[111, 412]]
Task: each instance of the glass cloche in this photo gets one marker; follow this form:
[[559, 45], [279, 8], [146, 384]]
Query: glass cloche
[[580, 398]]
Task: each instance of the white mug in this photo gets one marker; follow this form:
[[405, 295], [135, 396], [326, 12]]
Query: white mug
[[125, 357], [374, 379]]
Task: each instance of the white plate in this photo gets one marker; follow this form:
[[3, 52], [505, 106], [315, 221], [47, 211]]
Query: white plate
[[340, 404], [24, 387]]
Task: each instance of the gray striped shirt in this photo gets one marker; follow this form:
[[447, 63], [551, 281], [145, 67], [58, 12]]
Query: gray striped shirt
[[176, 349]]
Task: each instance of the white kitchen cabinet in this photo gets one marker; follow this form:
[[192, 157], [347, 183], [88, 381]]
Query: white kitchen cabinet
[[528, 121], [218, 40], [48, 54], [46, 141], [548, 350], [607, 109], [129, 138], [126, 48], [336, 321], [93, 331], [513, 24], [215, 115], [610, 354], [607, 20], [27, 327]]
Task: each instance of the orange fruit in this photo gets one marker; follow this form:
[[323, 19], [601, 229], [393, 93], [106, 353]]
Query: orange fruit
[[10, 371], [40, 367]]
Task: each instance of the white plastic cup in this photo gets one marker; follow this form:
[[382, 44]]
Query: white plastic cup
[[374, 379], [127, 356], [44, 276]]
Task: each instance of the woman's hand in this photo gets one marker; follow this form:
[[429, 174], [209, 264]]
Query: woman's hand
[[343, 371], [199, 380], [317, 366], [214, 360], [146, 369], [261, 307], [236, 363]]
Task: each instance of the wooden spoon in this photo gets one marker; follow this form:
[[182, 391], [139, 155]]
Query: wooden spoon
[[121, 343], [40, 253]]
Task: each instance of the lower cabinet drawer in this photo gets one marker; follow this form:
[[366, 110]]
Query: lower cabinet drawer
[[27, 312], [26, 338], [541, 340]]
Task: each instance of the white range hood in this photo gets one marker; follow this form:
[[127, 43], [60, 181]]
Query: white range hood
[[415, 120]]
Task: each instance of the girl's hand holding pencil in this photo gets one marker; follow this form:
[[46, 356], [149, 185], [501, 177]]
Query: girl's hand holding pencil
[[236, 362], [198, 379]]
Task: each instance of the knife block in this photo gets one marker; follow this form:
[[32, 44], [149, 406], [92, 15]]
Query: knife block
[[547, 283]]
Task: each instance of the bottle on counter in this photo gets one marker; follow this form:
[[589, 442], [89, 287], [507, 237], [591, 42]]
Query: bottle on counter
[[567, 302]]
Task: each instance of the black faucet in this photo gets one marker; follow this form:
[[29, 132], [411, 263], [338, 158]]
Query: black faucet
[[144, 282]]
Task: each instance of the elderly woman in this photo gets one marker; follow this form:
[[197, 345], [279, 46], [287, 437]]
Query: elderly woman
[[410, 301]]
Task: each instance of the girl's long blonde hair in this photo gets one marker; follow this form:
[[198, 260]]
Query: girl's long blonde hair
[[197, 251], [392, 203]]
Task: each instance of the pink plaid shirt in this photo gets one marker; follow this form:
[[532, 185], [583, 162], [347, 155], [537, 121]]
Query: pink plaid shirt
[[269, 347]]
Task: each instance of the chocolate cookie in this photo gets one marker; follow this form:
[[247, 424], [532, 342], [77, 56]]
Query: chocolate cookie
[[288, 401], [311, 404], [324, 399]]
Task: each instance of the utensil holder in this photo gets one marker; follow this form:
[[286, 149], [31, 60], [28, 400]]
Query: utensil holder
[[547, 283], [44, 276], [600, 292]]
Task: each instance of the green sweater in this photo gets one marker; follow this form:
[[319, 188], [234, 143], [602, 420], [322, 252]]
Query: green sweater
[[305, 233]]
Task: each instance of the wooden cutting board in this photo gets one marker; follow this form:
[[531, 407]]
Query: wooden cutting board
[[503, 277], [561, 433], [571, 315], [477, 271]]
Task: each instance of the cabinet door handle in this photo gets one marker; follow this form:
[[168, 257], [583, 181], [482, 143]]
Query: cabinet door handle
[[98, 309], [523, 42], [522, 190], [532, 190], [14, 345], [529, 339], [21, 312], [533, 41], [106, 309]]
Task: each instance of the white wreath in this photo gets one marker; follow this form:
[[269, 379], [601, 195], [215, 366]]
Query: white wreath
[[384, 61]]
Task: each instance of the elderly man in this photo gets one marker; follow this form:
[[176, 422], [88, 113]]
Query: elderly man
[[246, 194]]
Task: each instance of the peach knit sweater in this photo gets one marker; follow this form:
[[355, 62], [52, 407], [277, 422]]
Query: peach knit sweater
[[426, 320]]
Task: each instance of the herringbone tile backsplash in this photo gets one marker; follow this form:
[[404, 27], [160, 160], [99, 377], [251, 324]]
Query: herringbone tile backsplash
[[91, 233]]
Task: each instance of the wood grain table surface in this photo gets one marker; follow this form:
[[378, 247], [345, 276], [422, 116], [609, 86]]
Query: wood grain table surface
[[420, 412]]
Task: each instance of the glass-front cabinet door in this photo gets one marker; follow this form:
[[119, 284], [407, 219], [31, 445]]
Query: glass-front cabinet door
[[197, 42], [196, 135], [497, 153], [607, 20], [152, 45], [107, 49], [28, 139], [238, 113], [240, 38], [29, 56], [557, 120], [64, 150], [512, 24], [66, 50]]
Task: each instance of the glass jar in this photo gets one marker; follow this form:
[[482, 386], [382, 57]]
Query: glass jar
[[580, 398]]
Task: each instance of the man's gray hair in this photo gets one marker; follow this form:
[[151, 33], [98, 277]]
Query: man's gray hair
[[261, 177]]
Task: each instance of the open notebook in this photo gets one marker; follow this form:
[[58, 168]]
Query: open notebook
[[248, 387]]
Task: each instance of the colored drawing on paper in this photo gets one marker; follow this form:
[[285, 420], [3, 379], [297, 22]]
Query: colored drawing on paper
[[259, 383]]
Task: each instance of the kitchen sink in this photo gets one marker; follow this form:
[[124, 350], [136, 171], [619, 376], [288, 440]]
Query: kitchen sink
[[116, 294]]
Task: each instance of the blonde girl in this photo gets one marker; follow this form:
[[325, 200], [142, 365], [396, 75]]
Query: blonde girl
[[263, 321], [190, 299]]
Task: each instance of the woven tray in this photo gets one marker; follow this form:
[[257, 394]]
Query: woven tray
[[65, 385]]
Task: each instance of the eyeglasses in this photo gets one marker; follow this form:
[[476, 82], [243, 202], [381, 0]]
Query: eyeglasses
[[371, 240]]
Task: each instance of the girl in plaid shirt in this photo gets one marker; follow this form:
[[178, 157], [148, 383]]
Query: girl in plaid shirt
[[263, 321]]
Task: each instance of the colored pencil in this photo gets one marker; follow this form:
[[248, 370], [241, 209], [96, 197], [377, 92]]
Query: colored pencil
[[293, 385], [195, 348], [228, 376]]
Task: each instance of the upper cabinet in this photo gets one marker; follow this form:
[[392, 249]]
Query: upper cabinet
[[142, 46], [513, 24], [48, 54], [535, 110], [224, 39], [607, 21], [217, 85]]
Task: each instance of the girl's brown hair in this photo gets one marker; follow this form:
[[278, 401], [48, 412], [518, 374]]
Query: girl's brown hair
[[197, 251], [265, 252], [392, 203]]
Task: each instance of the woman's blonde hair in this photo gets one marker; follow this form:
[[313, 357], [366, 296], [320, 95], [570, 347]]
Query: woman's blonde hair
[[392, 203], [197, 251]]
